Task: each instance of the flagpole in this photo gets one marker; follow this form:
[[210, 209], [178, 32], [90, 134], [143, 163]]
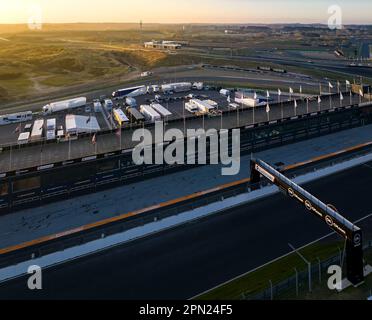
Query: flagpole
[[281, 104], [95, 144], [121, 148], [253, 114], [319, 102], [69, 147], [184, 119], [307, 105], [221, 119], [237, 117], [10, 158], [282, 110]]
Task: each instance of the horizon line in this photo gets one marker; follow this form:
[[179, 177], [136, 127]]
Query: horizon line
[[196, 23]]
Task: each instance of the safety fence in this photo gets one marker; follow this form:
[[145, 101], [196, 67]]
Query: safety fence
[[303, 280]]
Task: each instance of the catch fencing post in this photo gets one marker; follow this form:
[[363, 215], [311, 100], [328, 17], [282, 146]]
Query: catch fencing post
[[306, 261], [271, 290]]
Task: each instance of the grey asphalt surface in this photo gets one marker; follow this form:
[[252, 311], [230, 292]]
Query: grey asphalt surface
[[183, 262]]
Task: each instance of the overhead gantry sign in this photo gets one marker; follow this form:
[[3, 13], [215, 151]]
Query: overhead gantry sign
[[348, 230]]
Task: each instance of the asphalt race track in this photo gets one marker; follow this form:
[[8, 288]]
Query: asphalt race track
[[183, 262]]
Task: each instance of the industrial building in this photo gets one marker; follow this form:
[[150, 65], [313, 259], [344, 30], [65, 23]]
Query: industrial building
[[165, 45]]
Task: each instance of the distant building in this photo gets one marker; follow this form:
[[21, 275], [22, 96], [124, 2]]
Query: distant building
[[165, 45]]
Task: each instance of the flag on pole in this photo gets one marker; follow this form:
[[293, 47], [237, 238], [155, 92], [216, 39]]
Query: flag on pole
[[330, 85], [341, 96], [94, 139], [267, 108], [18, 129], [291, 91]]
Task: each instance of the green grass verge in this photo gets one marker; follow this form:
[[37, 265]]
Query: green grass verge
[[277, 271]]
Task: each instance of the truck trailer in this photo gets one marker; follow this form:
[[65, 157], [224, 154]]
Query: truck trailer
[[149, 113], [135, 115], [176, 87], [130, 92], [161, 110], [64, 105], [120, 117]]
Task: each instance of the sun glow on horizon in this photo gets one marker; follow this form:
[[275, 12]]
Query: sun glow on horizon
[[190, 11]]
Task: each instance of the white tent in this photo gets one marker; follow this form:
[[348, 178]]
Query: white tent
[[81, 124]]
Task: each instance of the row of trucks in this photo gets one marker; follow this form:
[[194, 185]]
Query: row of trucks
[[165, 88], [152, 113], [128, 94]]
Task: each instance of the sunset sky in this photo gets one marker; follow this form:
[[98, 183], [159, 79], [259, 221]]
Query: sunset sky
[[187, 11]]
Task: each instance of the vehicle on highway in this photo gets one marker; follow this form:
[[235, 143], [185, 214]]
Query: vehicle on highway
[[64, 105], [130, 92]]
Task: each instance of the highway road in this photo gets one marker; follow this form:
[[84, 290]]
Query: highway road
[[188, 260], [162, 75]]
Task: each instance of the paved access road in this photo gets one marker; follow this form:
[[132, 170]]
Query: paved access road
[[183, 262]]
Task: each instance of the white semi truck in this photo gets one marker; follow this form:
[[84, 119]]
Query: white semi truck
[[64, 105], [176, 87]]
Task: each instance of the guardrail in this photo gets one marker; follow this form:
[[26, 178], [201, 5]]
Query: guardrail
[[58, 242]]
